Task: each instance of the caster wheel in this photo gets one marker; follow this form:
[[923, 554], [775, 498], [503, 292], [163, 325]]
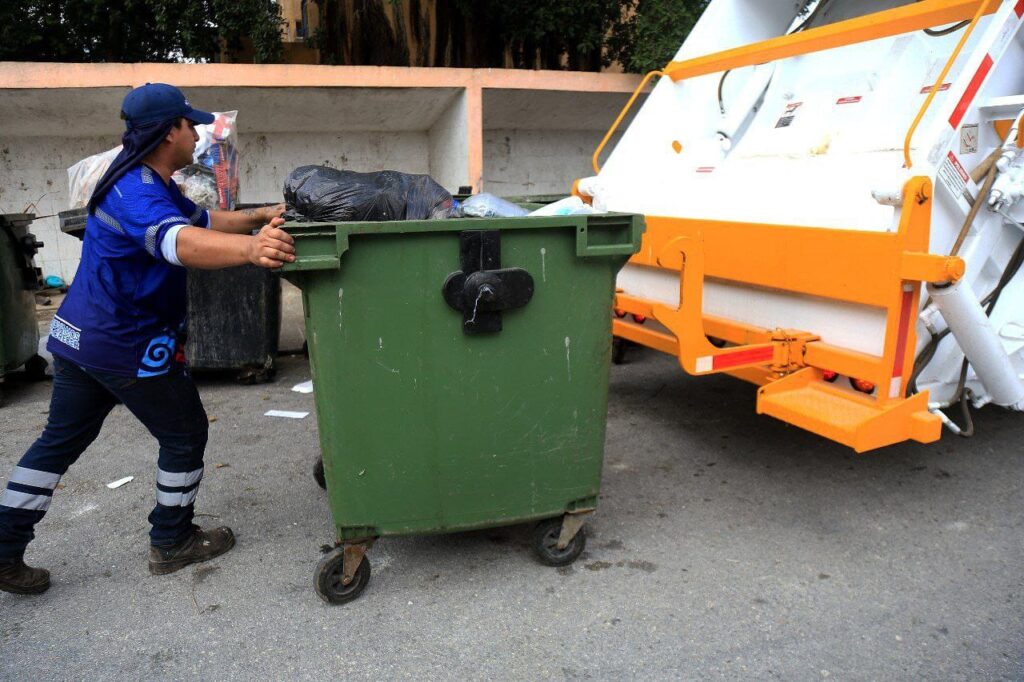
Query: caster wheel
[[251, 377], [318, 473], [327, 579], [619, 351], [35, 368], [545, 543], [246, 378]]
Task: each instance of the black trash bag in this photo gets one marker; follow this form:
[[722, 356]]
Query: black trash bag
[[321, 194]]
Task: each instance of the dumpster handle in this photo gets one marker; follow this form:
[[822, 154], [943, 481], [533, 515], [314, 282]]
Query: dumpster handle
[[628, 245]]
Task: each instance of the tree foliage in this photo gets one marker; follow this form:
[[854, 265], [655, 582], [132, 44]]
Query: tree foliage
[[648, 38], [137, 30], [583, 35], [580, 35]]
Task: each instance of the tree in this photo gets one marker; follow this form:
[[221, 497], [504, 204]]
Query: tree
[[582, 35], [137, 30], [649, 36]]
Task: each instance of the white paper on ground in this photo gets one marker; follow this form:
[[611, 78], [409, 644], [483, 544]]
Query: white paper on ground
[[304, 387], [285, 413], [119, 482]]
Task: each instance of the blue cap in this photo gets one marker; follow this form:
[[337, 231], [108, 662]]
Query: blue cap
[[156, 102]]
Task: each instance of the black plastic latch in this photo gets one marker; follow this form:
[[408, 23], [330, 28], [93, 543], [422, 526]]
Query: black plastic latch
[[30, 245], [482, 289]]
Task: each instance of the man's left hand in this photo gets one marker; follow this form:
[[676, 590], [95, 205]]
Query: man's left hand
[[271, 212]]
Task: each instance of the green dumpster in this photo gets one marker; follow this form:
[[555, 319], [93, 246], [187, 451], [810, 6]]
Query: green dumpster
[[461, 376], [19, 280]]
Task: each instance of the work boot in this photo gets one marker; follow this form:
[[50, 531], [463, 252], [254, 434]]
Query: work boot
[[200, 545], [17, 578]]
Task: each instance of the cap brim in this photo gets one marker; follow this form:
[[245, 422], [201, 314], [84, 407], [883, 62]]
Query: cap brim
[[200, 117]]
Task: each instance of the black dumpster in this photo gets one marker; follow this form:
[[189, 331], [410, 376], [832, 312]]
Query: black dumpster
[[19, 280], [234, 315]]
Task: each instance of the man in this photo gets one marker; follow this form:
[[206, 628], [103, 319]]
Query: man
[[118, 336]]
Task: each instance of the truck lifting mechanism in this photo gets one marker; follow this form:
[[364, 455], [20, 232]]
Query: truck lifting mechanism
[[832, 191]]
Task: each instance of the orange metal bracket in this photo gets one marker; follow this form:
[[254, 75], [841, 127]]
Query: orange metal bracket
[[878, 269], [883, 270], [912, 17], [850, 418], [696, 354]]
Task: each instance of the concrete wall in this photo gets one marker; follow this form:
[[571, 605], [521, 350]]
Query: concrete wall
[[539, 142], [506, 132], [33, 178]]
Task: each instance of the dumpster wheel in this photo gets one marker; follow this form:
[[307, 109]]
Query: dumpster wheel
[[545, 543], [35, 368], [619, 347], [328, 579], [318, 473], [251, 376]]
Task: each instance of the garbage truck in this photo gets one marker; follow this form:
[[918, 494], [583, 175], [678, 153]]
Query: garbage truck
[[832, 193]]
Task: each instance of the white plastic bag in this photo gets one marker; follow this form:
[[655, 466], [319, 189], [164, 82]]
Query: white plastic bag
[[83, 176], [567, 206], [486, 205]]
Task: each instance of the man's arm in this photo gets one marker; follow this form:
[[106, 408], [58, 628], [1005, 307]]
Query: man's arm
[[205, 249], [244, 221]]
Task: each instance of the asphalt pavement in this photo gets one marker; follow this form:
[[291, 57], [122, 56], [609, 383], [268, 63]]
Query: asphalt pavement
[[727, 546]]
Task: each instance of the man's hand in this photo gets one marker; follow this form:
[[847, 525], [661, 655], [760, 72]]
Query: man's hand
[[271, 212], [272, 247]]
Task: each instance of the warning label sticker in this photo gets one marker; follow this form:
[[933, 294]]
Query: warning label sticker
[[788, 115], [969, 138], [849, 100], [952, 175]]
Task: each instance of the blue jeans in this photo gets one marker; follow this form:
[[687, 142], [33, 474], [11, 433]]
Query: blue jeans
[[168, 405]]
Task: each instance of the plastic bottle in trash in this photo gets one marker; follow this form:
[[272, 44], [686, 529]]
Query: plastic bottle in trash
[[486, 205]]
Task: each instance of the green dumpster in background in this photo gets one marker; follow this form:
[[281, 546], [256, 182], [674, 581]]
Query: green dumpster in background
[[461, 376], [19, 280]]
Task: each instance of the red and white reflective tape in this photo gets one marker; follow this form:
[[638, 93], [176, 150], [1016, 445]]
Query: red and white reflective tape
[[986, 66], [902, 332], [971, 91], [747, 356]]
